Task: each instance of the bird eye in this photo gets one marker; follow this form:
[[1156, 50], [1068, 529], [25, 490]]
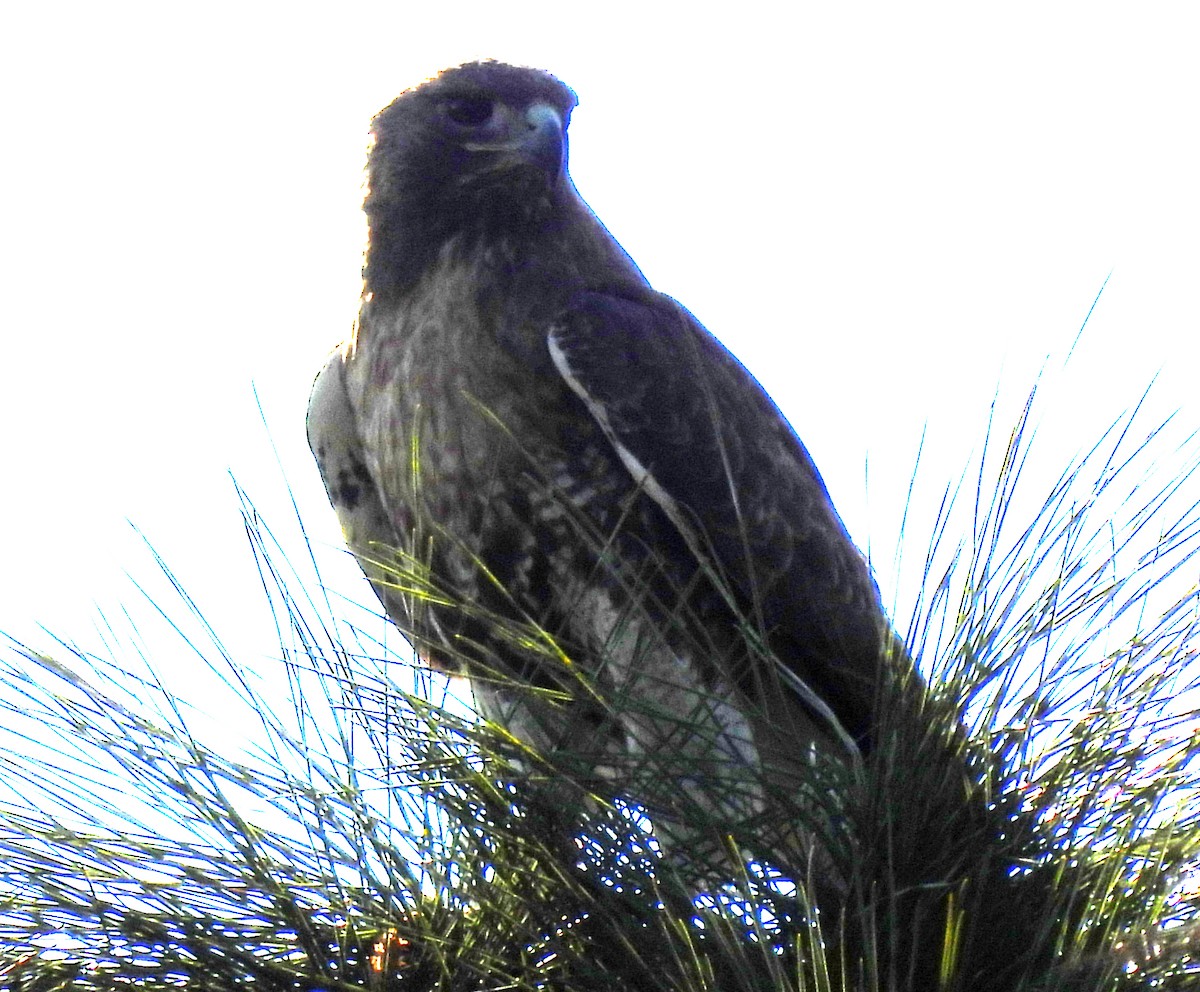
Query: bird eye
[[469, 110]]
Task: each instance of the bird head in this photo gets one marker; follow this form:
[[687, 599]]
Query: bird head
[[478, 149]]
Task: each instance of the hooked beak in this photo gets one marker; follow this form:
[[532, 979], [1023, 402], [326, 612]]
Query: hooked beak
[[533, 138]]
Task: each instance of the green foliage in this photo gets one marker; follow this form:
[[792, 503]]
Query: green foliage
[[1030, 822]]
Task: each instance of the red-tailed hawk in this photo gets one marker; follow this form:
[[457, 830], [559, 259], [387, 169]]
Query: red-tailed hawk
[[546, 468]]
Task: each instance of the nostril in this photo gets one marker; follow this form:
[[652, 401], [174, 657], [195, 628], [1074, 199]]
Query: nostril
[[542, 116]]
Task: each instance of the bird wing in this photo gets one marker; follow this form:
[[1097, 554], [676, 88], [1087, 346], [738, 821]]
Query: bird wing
[[709, 446], [334, 439]]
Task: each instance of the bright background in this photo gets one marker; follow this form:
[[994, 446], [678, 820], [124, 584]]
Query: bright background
[[886, 212]]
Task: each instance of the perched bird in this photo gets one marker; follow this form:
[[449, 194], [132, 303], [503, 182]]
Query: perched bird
[[562, 486]]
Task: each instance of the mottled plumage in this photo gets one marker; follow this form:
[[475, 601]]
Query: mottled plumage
[[521, 423]]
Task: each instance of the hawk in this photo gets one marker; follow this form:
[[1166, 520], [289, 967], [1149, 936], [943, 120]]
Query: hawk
[[562, 486]]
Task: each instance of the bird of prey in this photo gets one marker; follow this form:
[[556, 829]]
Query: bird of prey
[[562, 486]]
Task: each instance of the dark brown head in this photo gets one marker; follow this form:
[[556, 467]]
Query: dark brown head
[[478, 151]]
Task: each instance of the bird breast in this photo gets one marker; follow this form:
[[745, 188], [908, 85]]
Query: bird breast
[[464, 436]]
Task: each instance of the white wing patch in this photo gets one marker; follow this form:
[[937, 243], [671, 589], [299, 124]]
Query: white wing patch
[[333, 438]]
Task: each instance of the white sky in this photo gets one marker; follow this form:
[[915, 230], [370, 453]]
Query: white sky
[[883, 212]]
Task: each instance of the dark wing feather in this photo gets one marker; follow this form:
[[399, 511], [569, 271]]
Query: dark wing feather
[[708, 444]]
